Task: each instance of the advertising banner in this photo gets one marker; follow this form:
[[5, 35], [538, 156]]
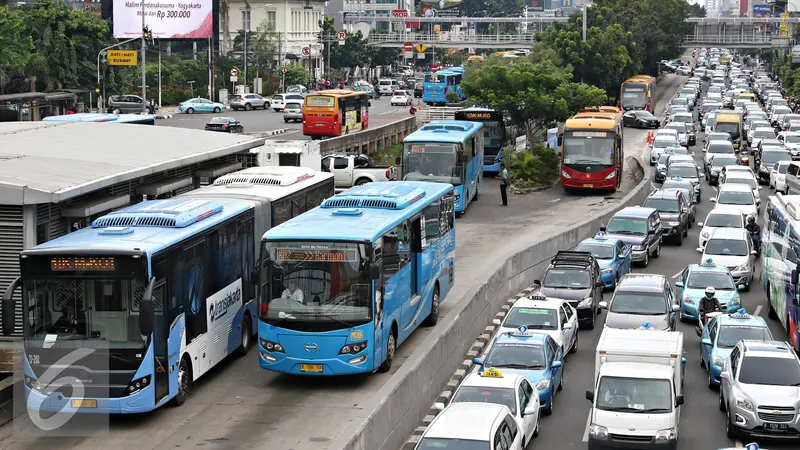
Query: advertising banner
[[167, 19], [441, 8]]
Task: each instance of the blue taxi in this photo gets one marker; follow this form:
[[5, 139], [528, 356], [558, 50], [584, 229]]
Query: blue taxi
[[535, 356], [693, 281], [663, 160], [722, 333], [612, 255]]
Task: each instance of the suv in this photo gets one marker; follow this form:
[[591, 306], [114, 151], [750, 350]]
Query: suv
[[638, 227], [575, 277], [127, 104], [758, 390], [674, 212], [641, 299], [248, 102]]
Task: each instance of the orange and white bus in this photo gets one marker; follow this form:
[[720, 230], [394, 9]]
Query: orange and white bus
[[592, 156], [335, 112], [638, 92]]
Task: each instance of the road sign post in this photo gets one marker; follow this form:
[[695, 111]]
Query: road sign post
[[341, 35], [306, 51]]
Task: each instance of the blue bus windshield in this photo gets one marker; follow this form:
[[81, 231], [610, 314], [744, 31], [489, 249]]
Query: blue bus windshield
[[432, 161]]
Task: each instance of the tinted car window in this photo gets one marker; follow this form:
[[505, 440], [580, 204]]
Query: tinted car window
[[483, 394], [638, 303], [664, 205], [732, 247], [770, 371]]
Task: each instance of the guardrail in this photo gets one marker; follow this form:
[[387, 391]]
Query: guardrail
[[452, 39], [369, 140]]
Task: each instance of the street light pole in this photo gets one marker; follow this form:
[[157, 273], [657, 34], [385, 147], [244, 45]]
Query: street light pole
[[99, 54], [585, 7], [144, 62], [246, 27]]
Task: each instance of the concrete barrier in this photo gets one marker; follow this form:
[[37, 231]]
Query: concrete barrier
[[406, 398], [369, 140]]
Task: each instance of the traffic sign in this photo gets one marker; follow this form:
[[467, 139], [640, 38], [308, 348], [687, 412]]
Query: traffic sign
[[341, 35], [408, 47], [306, 51], [122, 57], [421, 48], [234, 78], [234, 72], [283, 69]]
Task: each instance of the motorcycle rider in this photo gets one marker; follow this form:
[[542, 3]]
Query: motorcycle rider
[[708, 303], [755, 233]]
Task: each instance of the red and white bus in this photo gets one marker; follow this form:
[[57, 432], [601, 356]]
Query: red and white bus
[[591, 150]]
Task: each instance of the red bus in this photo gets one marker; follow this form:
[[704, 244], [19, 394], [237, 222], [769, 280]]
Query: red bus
[[335, 112], [638, 92], [591, 150]]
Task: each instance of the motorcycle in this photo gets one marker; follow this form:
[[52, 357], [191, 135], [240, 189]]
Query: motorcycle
[[756, 238]]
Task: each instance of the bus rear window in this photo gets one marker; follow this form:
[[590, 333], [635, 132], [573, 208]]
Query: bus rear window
[[320, 101]]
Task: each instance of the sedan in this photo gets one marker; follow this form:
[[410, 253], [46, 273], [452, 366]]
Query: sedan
[[225, 125], [640, 119], [293, 111], [200, 105], [719, 218]]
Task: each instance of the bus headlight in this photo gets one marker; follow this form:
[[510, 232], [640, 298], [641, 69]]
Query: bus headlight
[[565, 174], [611, 175], [137, 385], [34, 384], [352, 349], [270, 346]]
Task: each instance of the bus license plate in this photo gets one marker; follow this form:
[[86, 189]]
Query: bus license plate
[[84, 403], [588, 185], [315, 368], [776, 426]]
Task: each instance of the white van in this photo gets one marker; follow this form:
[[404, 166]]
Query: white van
[[387, 85]]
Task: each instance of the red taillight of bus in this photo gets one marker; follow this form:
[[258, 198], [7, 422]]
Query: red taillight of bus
[[264, 308]]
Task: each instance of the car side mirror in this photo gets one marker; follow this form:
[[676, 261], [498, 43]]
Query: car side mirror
[[439, 406], [699, 224], [478, 361], [556, 364], [676, 308], [713, 200], [679, 284], [496, 322], [603, 305], [753, 252], [530, 410], [147, 310], [590, 395], [537, 283], [651, 232], [679, 400], [567, 326]]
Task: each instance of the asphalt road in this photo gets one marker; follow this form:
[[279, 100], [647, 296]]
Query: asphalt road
[[702, 425], [239, 405], [261, 120]]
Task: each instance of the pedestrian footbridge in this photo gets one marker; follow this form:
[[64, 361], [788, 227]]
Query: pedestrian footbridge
[[737, 32], [447, 39]]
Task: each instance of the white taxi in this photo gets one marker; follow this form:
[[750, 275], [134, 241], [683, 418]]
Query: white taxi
[[512, 390], [539, 314], [477, 425], [401, 98]]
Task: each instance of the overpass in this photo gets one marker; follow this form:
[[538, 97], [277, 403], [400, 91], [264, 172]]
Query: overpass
[[738, 32]]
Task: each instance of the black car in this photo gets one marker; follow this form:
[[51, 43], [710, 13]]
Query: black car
[[767, 160], [575, 277], [418, 89], [638, 227], [640, 118], [225, 125], [674, 212], [715, 165]]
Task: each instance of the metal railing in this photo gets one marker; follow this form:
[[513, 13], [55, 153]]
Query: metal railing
[[444, 39], [727, 38], [530, 19], [742, 20]]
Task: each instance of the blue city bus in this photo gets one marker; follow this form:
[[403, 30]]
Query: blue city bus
[[494, 134], [344, 284], [447, 151], [437, 85], [104, 117], [153, 296]]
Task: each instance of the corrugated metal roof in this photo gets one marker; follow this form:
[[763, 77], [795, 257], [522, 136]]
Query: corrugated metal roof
[[52, 162]]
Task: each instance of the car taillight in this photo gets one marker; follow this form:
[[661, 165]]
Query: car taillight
[[335, 118], [388, 174], [224, 127], [206, 127], [264, 308]]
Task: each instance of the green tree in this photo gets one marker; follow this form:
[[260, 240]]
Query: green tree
[[16, 47], [296, 74], [353, 53], [536, 94]]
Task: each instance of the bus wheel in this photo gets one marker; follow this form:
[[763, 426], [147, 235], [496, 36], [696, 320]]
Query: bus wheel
[[477, 192], [391, 348], [184, 384], [434, 315], [247, 336]]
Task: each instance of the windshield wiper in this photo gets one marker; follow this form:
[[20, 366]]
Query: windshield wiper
[[621, 409], [622, 232], [328, 316], [539, 327], [516, 366], [653, 410]]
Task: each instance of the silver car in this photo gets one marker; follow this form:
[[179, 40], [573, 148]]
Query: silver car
[[293, 111], [732, 248], [248, 102], [760, 391], [641, 299]]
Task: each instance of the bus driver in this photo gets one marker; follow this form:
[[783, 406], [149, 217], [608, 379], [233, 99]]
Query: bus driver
[[292, 292]]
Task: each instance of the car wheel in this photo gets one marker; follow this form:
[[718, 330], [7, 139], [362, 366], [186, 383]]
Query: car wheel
[[685, 233], [115, 111], [551, 408], [646, 259], [247, 106], [561, 381], [721, 401], [216, 109], [730, 431], [711, 384], [575, 345], [657, 253], [189, 110], [286, 120]]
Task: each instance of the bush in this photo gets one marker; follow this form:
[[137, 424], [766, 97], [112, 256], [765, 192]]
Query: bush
[[532, 168], [453, 97]]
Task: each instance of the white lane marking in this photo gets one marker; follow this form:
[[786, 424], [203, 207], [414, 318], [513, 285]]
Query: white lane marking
[[586, 430], [677, 275], [758, 310]]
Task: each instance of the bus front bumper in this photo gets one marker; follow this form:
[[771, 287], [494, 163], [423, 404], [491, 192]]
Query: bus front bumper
[[347, 365], [55, 402], [573, 183]]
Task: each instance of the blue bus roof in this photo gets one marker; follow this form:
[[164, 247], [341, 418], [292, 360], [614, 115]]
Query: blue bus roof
[[451, 131], [361, 213], [99, 117], [151, 225]]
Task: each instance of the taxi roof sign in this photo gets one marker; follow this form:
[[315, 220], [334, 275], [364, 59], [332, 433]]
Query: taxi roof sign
[[492, 373], [522, 331], [536, 296], [751, 446], [740, 314], [707, 262], [600, 236], [647, 326]]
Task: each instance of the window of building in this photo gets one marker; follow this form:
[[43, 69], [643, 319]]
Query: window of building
[[271, 20]]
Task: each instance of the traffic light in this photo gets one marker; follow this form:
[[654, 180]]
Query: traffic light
[[147, 35]]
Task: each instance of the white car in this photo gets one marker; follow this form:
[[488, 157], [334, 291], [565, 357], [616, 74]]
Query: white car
[[718, 218], [278, 101], [546, 316], [733, 249], [743, 178], [401, 98], [791, 140], [761, 133], [735, 168], [777, 177], [512, 390], [737, 197], [478, 424], [660, 144], [684, 70]]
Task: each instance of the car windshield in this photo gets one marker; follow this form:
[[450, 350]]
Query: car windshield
[[662, 204], [748, 181], [647, 115], [683, 118], [710, 107], [726, 247], [770, 158], [599, 251], [683, 171], [627, 225], [700, 279], [516, 356], [679, 127], [634, 395], [680, 101], [724, 161], [769, 371], [720, 148], [484, 394], [730, 335], [763, 134], [638, 303], [718, 137], [663, 159], [533, 318], [664, 142], [567, 278], [724, 221], [675, 184], [452, 444]]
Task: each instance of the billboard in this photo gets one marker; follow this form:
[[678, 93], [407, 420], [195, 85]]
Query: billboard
[[761, 9], [441, 8], [166, 20]]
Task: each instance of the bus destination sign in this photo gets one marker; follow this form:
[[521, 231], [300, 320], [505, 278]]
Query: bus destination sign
[[322, 255], [590, 134], [478, 115], [89, 263], [633, 89]]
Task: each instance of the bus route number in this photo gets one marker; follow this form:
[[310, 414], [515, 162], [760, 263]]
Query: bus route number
[[33, 359]]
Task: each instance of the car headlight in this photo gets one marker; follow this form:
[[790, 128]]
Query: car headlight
[[585, 303], [544, 383], [668, 434], [688, 300], [607, 270], [565, 174], [717, 361], [598, 431], [638, 248], [742, 268], [744, 403], [673, 223]]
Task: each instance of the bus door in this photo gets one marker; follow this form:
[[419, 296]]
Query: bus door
[[161, 329], [412, 303], [342, 114]]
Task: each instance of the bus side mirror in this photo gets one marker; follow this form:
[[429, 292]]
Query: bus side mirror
[[9, 306], [794, 282], [398, 160], [146, 310], [559, 140], [374, 271]]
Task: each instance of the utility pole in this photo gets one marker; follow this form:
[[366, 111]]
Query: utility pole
[[144, 62], [159, 73], [246, 26], [328, 39]]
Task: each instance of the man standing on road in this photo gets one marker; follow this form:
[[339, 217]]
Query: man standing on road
[[503, 177]]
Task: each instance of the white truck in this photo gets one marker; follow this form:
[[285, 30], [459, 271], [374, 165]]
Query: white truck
[[354, 170], [638, 389]]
